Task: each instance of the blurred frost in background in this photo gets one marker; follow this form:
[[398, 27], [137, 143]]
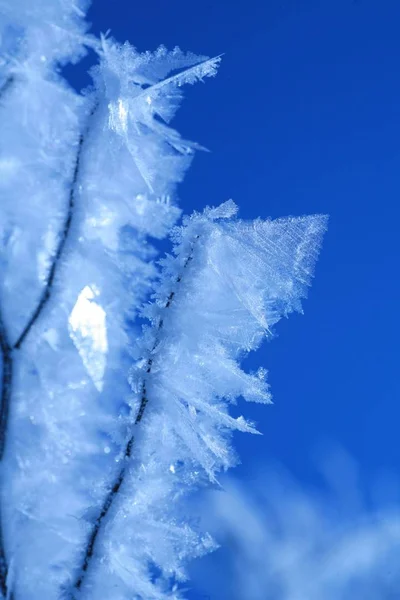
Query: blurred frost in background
[[284, 541]]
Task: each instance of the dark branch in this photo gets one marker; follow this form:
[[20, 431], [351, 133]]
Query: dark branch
[[7, 348], [6, 388], [3, 566], [7, 365], [46, 294], [128, 450], [104, 510]]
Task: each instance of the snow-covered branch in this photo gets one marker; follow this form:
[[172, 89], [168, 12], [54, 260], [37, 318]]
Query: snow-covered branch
[[57, 256], [227, 284]]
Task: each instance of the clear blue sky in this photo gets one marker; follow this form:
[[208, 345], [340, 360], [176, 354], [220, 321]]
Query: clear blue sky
[[303, 117]]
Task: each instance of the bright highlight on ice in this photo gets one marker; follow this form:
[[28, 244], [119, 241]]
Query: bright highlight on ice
[[89, 332]]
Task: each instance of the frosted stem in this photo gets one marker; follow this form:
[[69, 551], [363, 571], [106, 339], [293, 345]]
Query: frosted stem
[[103, 513], [6, 383], [46, 294], [128, 450], [6, 351], [7, 348]]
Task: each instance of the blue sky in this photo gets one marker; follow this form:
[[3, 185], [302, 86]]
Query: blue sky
[[303, 117]]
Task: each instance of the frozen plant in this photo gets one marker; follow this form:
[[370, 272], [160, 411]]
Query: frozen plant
[[104, 428]]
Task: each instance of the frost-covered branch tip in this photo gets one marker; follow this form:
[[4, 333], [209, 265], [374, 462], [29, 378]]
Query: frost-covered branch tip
[[241, 279], [143, 97], [128, 450], [227, 284]]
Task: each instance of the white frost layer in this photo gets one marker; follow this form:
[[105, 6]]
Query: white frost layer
[[44, 32], [229, 282], [70, 396]]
